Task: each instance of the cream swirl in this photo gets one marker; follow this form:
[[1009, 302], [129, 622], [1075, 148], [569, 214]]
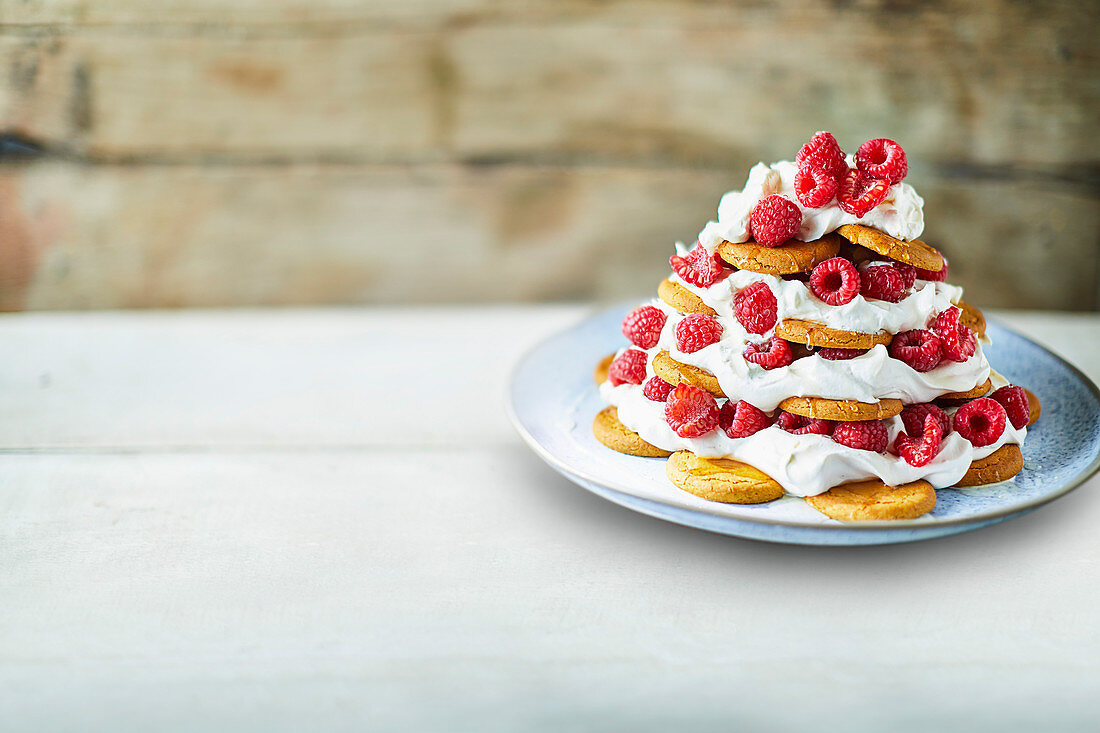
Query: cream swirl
[[900, 215]]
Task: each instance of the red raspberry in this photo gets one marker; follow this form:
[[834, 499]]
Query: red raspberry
[[840, 354], [913, 418], [628, 368], [691, 411], [656, 389], [643, 326], [920, 450], [835, 281], [756, 308], [698, 267], [1014, 400], [774, 220], [799, 425], [908, 273], [869, 435], [859, 193], [770, 355], [937, 277], [957, 342], [823, 152], [882, 158], [814, 187], [740, 419], [918, 348], [697, 330], [882, 282], [981, 421]]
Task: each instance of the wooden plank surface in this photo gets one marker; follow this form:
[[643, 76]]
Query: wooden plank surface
[[475, 589], [170, 142], [192, 235], [300, 379], [244, 521]]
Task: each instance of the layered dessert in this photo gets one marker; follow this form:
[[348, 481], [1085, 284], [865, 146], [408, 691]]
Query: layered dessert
[[809, 344]]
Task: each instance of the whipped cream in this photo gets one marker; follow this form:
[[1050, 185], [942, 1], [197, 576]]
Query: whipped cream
[[901, 214], [804, 465]]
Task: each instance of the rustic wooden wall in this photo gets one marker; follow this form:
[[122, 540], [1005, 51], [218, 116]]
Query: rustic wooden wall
[[205, 152]]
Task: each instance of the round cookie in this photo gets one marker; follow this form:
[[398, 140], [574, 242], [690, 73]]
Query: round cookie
[[600, 373], [674, 372], [971, 317], [970, 394], [721, 479], [841, 410], [915, 253], [1000, 465], [682, 299], [786, 259], [618, 437], [814, 334], [1034, 408], [872, 499]]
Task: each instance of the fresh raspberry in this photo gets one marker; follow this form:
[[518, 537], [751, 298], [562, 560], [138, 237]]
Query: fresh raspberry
[[1014, 400], [919, 450], [799, 425], [643, 326], [697, 330], [882, 282], [628, 367], [835, 281], [823, 152], [913, 418], [869, 435], [691, 411], [656, 389], [814, 187], [936, 277], [980, 421], [918, 348], [771, 354], [859, 193], [840, 354], [740, 419], [882, 158], [957, 342], [908, 273], [774, 220], [698, 267], [756, 308]]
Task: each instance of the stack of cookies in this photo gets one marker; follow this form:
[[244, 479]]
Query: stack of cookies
[[809, 345]]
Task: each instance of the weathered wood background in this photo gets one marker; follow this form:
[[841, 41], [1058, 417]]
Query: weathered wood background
[[205, 152]]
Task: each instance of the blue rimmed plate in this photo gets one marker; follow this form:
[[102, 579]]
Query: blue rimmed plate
[[552, 401]]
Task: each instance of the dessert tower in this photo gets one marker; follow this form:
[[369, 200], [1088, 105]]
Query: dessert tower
[[809, 345]]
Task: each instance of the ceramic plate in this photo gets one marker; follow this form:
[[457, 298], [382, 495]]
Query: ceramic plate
[[553, 399]]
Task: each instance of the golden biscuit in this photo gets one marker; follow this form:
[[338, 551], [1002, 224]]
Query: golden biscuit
[[721, 479], [970, 394], [786, 259], [673, 372], [682, 299], [1034, 408], [872, 499], [814, 334], [600, 374], [618, 437], [841, 410], [915, 253], [971, 317], [1000, 465]]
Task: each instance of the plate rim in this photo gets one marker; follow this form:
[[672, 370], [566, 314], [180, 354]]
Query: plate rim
[[873, 525]]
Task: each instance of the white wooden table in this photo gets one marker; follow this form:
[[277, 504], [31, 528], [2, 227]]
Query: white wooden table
[[305, 520]]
